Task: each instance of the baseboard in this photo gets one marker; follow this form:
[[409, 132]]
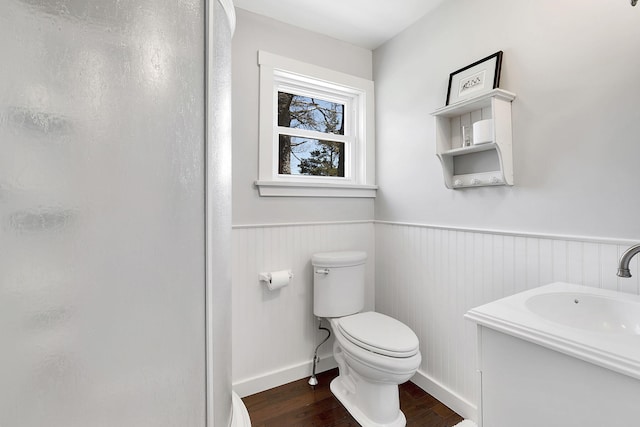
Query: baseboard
[[295, 372], [283, 376], [445, 395]]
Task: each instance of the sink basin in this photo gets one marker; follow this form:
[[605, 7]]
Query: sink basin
[[599, 326], [597, 313]]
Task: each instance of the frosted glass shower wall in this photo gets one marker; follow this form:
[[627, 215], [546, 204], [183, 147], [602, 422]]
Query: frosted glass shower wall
[[102, 213]]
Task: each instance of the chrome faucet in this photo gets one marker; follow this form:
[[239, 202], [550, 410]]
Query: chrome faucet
[[623, 265]]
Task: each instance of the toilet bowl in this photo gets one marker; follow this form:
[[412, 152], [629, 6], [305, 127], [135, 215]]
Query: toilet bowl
[[374, 352], [367, 385]]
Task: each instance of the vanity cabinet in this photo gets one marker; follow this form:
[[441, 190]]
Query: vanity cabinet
[[524, 384], [465, 164], [558, 355]]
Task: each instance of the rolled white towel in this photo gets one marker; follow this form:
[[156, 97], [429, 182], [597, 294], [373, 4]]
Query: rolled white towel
[[466, 423]]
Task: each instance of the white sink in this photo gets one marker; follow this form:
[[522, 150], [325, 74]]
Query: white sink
[[595, 325], [597, 313]]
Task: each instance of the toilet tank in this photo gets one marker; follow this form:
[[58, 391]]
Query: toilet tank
[[338, 283]]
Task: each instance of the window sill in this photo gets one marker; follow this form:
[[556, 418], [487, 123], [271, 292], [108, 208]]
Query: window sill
[[303, 189]]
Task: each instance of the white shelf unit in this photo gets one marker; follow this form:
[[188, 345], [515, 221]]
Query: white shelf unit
[[476, 165]]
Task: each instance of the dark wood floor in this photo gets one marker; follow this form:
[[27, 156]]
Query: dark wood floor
[[298, 404]]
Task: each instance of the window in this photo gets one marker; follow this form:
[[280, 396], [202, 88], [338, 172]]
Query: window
[[310, 135], [316, 131]]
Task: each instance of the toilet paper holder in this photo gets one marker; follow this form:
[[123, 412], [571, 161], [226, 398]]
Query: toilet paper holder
[[267, 277]]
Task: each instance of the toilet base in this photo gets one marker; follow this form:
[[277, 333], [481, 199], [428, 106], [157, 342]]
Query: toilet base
[[342, 388]]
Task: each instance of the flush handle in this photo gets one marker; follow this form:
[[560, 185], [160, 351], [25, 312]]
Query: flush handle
[[322, 271]]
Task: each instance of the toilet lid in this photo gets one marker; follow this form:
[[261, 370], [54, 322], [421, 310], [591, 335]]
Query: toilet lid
[[380, 334]]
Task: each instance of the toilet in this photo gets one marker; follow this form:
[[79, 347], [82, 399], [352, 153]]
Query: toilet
[[375, 353]]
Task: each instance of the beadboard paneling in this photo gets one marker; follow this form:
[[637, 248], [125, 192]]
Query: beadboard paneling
[[428, 277], [275, 332]]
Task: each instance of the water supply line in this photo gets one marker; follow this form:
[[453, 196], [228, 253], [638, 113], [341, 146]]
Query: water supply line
[[313, 381]]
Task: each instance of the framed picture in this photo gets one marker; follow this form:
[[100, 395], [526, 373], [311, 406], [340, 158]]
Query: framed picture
[[475, 79]]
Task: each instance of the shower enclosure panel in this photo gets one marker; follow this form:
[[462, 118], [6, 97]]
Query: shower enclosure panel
[[102, 213]]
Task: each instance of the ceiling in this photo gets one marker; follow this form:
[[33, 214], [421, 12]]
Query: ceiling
[[364, 23]]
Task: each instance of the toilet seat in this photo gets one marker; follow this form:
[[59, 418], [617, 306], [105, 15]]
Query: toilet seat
[[379, 334]]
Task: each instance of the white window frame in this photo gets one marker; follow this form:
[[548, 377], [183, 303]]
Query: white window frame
[[278, 73]]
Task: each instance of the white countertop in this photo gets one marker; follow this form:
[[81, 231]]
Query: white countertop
[[619, 352]]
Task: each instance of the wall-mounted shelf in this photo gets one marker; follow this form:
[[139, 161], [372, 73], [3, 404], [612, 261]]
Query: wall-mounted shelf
[[476, 165]]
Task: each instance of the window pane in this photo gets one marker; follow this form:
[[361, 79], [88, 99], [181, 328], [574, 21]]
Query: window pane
[[301, 112], [304, 156]]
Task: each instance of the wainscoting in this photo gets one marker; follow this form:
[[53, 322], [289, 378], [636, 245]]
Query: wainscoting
[[425, 276], [275, 332], [428, 277]]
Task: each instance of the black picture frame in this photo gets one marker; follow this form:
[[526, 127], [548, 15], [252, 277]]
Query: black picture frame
[[475, 79]]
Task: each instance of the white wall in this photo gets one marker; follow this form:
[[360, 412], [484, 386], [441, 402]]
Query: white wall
[[576, 120], [428, 277], [275, 333], [576, 149], [253, 33], [573, 66]]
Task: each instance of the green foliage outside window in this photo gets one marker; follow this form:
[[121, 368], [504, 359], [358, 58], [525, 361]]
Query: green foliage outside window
[[308, 156]]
